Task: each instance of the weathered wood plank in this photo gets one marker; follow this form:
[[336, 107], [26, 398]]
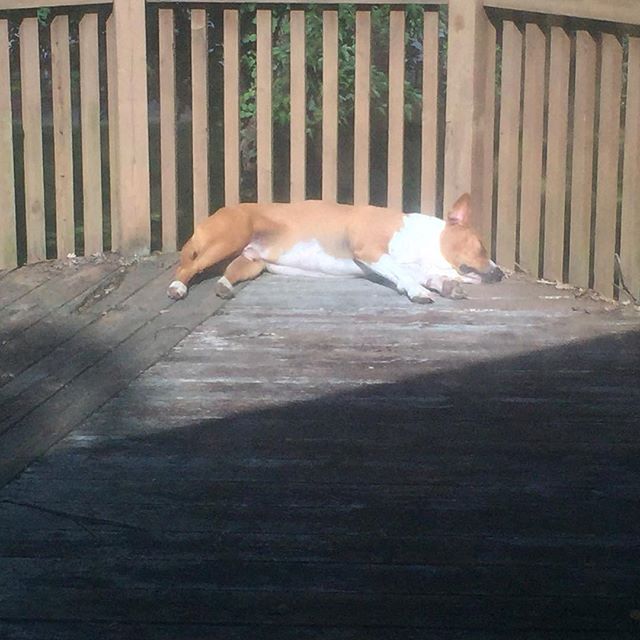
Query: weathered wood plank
[[625, 11], [73, 401], [608, 162], [629, 253], [32, 129], [430, 84], [64, 322], [8, 241], [264, 124], [395, 159], [200, 114], [62, 135], [131, 132], [298, 131], [168, 162], [532, 140], [90, 124], [52, 293], [329, 104], [556, 174], [18, 282], [582, 159], [231, 107], [362, 100], [509, 145], [112, 102]]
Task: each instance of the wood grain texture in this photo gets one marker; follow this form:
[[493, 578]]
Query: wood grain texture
[[608, 162], [625, 11], [582, 160], [298, 130], [272, 477], [8, 240], [200, 114], [532, 141], [556, 174], [90, 125], [329, 105], [362, 102], [32, 140], [509, 144], [168, 164], [112, 102], [264, 110], [629, 252], [231, 107], [395, 154], [132, 128], [430, 84], [62, 135]]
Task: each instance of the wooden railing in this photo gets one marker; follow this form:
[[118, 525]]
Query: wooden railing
[[541, 125]]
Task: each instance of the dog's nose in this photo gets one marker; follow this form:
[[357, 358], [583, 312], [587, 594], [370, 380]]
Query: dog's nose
[[495, 275]]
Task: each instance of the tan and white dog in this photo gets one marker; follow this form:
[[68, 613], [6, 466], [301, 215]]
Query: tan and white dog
[[418, 254]]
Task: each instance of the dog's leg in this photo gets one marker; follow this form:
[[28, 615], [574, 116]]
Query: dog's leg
[[222, 236], [241, 269], [446, 287], [405, 281]]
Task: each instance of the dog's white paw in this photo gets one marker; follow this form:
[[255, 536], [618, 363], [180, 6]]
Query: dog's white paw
[[420, 295], [224, 289], [177, 290]]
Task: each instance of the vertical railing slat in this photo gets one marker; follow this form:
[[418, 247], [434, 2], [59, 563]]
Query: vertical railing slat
[[430, 85], [32, 128], [395, 160], [630, 232], [582, 159], [556, 174], [362, 99], [62, 135], [8, 246], [90, 123], [329, 104], [298, 137], [264, 135], [532, 137], [608, 158], [231, 107], [200, 114], [112, 108], [508, 159], [168, 175], [362, 106]]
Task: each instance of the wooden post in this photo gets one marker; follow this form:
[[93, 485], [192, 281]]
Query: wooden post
[[131, 128], [8, 251], [469, 116]]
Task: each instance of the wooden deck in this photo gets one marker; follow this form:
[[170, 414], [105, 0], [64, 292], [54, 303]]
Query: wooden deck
[[314, 459]]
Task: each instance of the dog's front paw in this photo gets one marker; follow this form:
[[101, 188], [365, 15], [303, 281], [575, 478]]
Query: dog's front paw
[[454, 290], [420, 295], [177, 290]]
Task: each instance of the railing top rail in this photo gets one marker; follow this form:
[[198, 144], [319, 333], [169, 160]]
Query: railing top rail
[[15, 5], [621, 11]]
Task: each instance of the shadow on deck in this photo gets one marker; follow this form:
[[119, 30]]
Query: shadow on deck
[[325, 460]]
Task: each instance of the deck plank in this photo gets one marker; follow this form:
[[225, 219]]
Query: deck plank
[[323, 459]]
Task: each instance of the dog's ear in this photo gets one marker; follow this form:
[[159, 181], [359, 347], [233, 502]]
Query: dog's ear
[[460, 213]]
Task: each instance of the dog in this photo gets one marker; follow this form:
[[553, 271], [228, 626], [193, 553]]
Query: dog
[[416, 253]]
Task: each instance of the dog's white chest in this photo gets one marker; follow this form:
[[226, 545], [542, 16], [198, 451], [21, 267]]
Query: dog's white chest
[[309, 258], [418, 243]]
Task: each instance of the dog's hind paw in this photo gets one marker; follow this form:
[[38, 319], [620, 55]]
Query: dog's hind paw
[[224, 289], [177, 290]]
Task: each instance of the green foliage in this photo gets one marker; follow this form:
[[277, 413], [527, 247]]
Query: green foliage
[[314, 61]]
